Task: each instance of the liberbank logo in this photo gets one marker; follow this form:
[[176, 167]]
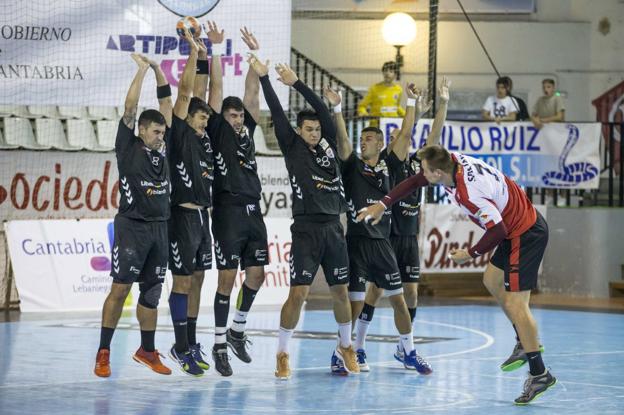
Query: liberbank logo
[[195, 8]]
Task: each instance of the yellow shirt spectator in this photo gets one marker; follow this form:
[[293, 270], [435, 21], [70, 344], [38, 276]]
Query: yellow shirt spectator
[[382, 100]]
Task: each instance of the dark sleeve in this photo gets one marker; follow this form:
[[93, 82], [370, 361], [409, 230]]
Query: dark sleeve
[[215, 124], [250, 123], [404, 189], [327, 124], [490, 240], [347, 166], [283, 130], [392, 161], [124, 139]]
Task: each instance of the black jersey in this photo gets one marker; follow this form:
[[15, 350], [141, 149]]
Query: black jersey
[[143, 178], [236, 171], [365, 185], [314, 173], [191, 165], [405, 212]]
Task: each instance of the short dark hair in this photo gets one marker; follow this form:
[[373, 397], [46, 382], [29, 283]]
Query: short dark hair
[[389, 66], [151, 116], [306, 114], [437, 157], [196, 105], [505, 81], [375, 130], [234, 103], [549, 81]]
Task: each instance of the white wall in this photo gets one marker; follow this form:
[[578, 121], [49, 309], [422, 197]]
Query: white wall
[[560, 41]]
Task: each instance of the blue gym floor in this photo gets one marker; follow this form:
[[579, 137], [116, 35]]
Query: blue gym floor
[[46, 365]]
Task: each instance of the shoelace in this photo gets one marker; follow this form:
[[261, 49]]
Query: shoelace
[[200, 350], [421, 361], [223, 357], [244, 340]]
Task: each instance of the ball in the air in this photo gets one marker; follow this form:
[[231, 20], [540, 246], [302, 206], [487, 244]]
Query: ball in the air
[[190, 23]]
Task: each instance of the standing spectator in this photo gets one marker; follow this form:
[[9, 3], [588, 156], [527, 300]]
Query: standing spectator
[[500, 107], [548, 108], [523, 112], [384, 98]]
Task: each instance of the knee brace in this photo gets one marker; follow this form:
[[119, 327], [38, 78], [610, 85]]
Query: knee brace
[[150, 294]]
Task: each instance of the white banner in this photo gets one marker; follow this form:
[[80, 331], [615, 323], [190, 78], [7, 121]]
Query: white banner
[[78, 53], [63, 185], [560, 155], [64, 265], [445, 227]]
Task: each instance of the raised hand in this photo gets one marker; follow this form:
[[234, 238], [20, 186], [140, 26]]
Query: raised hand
[[249, 39], [261, 69], [332, 96], [191, 40], [140, 60], [286, 75], [443, 91], [213, 34]]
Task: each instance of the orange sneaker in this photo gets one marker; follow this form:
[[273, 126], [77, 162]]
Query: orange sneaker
[[151, 360], [102, 363]]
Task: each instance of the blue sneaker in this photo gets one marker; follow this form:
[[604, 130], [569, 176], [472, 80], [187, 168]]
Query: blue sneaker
[[399, 354], [361, 358], [198, 355], [186, 362], [337, 366], [413, 361]]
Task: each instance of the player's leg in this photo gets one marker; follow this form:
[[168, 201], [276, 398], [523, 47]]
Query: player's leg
[[357, 275], [289, 317], [373, 294], [111, 312]]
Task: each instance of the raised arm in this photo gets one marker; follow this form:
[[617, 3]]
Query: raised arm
[[201, 75], [251, 99], [415, 108], [283, 131], [215, 90], [163, 92], [134, 92], [440, 117], [343, 142], [185, 88]]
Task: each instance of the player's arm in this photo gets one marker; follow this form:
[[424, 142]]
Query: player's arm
[[185, 88], [215, 90], [362, 108], [283, 131], [134, 92], [440, 117], [163, 92], [415, 108], [251, 99], [343, 142], [201, 74], [401, 191]]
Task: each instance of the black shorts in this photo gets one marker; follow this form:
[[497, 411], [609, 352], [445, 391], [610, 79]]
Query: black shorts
[[190, 244], [318, 244], [520, 257], [139, 252], [372, 260], [240, 236], [406, 251]]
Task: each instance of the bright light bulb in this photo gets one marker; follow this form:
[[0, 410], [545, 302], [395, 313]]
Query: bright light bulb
[[399, 29]]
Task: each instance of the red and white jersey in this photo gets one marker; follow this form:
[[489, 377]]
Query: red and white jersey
[[487, 196]]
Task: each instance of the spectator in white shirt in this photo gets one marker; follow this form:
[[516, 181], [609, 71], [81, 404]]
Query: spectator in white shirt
[[500, 107]]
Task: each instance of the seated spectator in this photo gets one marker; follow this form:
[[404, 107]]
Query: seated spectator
[[384, 98], [500, 107], [523, 112], [548, 108]]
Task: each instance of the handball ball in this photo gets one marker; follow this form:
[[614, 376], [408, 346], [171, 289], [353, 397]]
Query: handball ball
[[191, 24]]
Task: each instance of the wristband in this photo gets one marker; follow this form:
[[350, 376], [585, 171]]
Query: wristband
[[163, 91], [383, 204], [202, 67], [338, 108], [411, 102]]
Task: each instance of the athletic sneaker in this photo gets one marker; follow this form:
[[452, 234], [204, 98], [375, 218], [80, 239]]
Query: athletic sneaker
[[186, 362], [399, 354], [151, 360], [282, 370], [348, 357], [361, 358], [238, 344], [517, 359], [534, 386], [337, 366], [414, 361], [198, 355], [102, 363], [222, 360]]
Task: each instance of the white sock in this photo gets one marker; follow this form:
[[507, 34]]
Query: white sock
[[344, 329], [220, 335], [361, 328], [407, 341], [240, 319], [284, 337]]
